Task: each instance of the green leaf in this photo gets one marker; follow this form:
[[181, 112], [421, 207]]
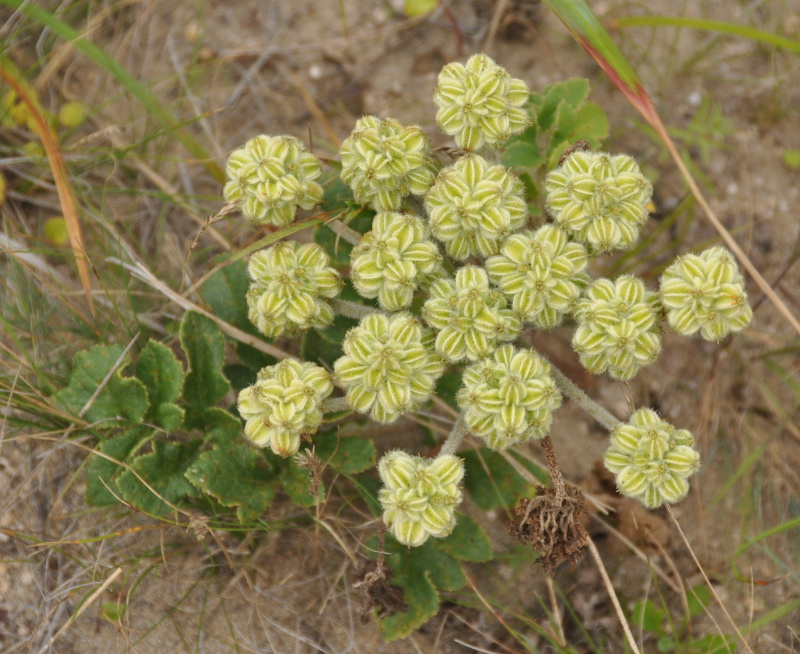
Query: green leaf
[[423, 602], [448, 385], [204, 385], [101, 473], [346, 455], [224, 293], [697, 599], [297, 485], [649, 617], [571, 92], [792, 158], [120, 397], [163, 469], [162, 374], [414, 8], [496, 484], [468, 542], [326, 346], [234, 473], [588, 122]]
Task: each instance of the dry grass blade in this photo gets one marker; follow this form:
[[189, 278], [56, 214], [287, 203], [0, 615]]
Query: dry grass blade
[[13, 77]]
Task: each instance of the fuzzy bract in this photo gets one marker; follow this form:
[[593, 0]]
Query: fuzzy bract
[[543, 273], [599, 199], [618, 327], [271, 176], [509, 398], [284, 405], [394, 259], [290, 285], [651, 459], [383, 161], [420, 495], [705, 292], [474, 205], [469, 315], [388, 367], [480, 103]]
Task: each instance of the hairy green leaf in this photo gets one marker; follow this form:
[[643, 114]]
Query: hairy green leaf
[[347, 455], [120, 397], [296, 484], [234, 472], [204, 385], [162, 374], [468, 542], [423, 603], [588, 122], [101, 473], [491, 481], [571, 92], [163, 470], [325, 346]]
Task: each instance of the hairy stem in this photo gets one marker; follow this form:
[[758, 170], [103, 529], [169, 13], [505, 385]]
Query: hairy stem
[[555, 472], [580, 398], [352, 309], [334, 405], [347, 233], [453, 439]]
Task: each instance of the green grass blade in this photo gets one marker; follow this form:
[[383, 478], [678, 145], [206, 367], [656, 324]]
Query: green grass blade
[[121, 74], [710, 26]]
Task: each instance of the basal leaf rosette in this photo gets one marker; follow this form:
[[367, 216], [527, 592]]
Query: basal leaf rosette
[[284, 405], [469, 315], [599, 199], [509, 398], [705, 292], [271, 176], [473, 206], [290, 285], [543, 273], [618, 327], [394, 259], [383, 161], [480, 103], [388, 367], [651, 459], [420, 495]]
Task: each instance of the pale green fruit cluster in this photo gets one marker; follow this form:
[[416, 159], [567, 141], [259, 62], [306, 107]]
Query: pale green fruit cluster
[[705, 292], [618, 327], [382, 162], [388, 367], [543, 273], [393, 260], [480, 103], [420, 495], [474, 205], [271, 176], [469, 315], [289, 283], [600, 199], [509, 397], [651, 459], [284, 405]]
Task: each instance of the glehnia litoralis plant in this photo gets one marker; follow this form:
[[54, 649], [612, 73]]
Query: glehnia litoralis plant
[[455, 274]]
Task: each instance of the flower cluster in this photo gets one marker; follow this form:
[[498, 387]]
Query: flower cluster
[[419, 495], [271, 176], [618, 327], [289, 282], [705, 292], [474, 205], [651, 459], [382, 162], [509, 398], [469, 315], [479, 102], [284, 404], [388, 367], [600, 199], [542, 272], [393, 260]]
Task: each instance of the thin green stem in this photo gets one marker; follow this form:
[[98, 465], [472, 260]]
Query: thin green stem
[[347, 233], [586, 403], [453, 439], [352, 309], [334, 405]]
